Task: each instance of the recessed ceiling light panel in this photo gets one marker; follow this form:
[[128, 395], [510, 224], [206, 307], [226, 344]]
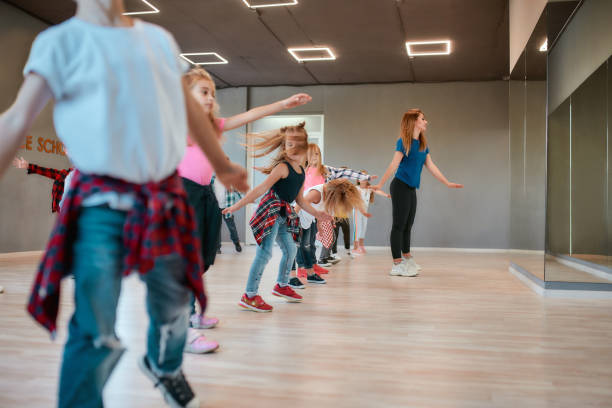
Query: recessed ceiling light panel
[[418, 48], [544, 46], [204, 58], [152, 10], [269, 3], [312, 54]]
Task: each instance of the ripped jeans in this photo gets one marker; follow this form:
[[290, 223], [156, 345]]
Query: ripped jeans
[[93, 349]]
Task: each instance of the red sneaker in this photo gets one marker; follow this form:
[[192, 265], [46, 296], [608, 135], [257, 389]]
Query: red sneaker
[[256, 304], [301, 273], [319, 269], [287, 293]]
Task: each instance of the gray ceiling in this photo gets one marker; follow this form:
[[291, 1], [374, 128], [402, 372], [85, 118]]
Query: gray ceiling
[[367, 37]]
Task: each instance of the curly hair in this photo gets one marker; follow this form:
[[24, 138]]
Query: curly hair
[[340, 197], [275, 139]]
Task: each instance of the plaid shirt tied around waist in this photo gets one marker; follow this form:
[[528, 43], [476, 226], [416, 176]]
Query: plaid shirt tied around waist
[[269, 209], [161, 222]]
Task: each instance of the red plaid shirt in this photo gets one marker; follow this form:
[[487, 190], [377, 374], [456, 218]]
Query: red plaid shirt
[[268, 210], [58, 185], [161, 222]]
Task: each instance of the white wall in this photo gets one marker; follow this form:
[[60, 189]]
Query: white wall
[[523, 15]]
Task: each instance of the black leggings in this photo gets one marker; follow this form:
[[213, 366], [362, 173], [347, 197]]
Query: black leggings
[[346, 234], [404, 203]]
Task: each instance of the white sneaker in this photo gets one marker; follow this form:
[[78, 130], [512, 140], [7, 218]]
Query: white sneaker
[[411, 261], [397, 270], [336, 256], [408, 269]]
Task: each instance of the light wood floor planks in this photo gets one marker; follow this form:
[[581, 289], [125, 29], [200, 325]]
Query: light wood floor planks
[[465, 333]]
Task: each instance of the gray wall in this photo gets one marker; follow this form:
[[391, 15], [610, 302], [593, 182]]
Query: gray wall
[[25, 201], [582, 48], [468, 137]]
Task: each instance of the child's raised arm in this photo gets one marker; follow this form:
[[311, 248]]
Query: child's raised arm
[[280, 171], [259, 112], [17, 120], [202, 132]]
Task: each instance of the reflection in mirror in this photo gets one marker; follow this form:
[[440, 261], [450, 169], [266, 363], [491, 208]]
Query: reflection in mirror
[[578, 190], [527, 122]]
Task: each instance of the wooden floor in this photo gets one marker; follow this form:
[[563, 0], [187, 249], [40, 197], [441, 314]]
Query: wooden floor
[[465, 333]]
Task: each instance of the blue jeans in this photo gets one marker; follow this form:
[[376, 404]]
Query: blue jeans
[[93, 349], [264, 253], [306, 254]]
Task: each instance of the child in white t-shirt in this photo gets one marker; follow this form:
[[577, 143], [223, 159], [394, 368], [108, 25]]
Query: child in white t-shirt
[[121, 108]]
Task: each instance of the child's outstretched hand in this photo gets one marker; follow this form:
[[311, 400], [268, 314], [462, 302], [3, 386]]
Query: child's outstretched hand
[[234, 177], [296, 100], [367, 215], [229, 210], [454, 185], [20, 163]]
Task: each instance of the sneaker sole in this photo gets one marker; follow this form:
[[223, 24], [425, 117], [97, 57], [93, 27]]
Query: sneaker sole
[[194, 403], [317, 282], [195, 351], [251, 308], [297, 287], [288, 298]]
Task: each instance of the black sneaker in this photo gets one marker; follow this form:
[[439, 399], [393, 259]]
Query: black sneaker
[[295, 283], [219, 250], [324, 262], [315, 278], [176, 390], [238, 247], [333, 260]]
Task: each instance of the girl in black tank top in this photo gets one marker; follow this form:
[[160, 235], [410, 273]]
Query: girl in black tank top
[[274, 219], [288, 188]]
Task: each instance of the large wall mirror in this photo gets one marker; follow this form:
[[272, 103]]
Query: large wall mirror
[[579, 200]]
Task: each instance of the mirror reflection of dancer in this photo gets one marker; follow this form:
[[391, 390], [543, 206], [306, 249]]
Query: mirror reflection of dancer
[[59, 177], [411, 153]]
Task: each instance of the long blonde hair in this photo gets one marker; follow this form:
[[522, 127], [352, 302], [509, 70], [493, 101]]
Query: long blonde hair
[[264, 143], [340, 197], [312, 149], [407, 130], [192, 77]]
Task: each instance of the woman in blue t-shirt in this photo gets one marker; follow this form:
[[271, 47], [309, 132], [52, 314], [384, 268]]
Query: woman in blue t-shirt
[[411, 153]]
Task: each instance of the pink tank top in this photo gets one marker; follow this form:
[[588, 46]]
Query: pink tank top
[[195, 165], [313, 178]]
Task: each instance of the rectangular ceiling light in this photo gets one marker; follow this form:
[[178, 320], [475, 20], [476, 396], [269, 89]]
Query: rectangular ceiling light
[[417, 48], [312, 54], [152, 10], [204, 58], [269, 3], [544, 46]]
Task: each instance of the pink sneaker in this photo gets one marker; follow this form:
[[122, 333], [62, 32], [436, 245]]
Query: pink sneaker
[[198, 321], [359, 251], [198, 344]]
